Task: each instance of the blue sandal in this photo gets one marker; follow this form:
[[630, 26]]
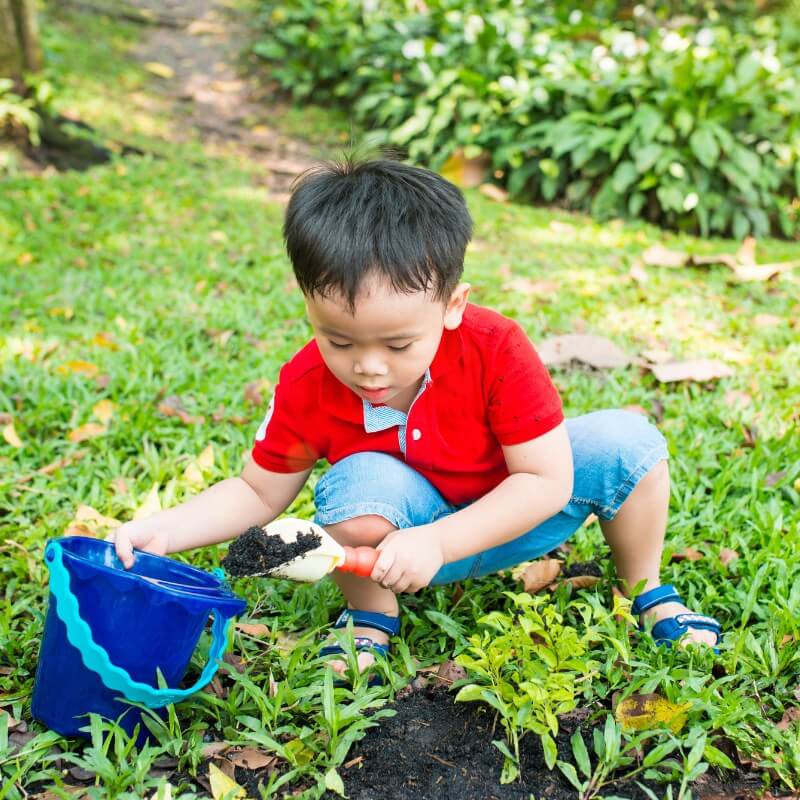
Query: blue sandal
[[365, 619], [671, 629]]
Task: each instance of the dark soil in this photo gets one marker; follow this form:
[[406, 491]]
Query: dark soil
[[592, 568], [437, 749], [256, 553]]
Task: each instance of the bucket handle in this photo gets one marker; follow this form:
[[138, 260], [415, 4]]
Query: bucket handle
[[96, 658]]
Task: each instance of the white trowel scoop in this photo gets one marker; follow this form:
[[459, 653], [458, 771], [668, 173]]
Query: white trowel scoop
[[295, 549]]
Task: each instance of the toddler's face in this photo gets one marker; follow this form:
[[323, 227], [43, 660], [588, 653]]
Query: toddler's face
[[381, 351]]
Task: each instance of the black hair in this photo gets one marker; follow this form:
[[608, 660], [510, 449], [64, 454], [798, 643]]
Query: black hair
[[350, 219]]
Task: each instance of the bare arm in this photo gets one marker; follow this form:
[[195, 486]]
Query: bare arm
[[221, 512], [539, 485]]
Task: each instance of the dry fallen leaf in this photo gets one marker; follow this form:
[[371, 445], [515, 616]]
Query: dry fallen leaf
[[212, 749], [192, 475], [529, 288], [493, 192], [206, 459], [151, 504], [698, 369], [253, 628], [222, 786], [790, 715], [596, 351], [172, 406], [775, 477], [465, 172], [582, 581], [252, 392], [252, 758], [89, 521], [79, 368], [736, 397], [103, 410], [659, 256], [90, 430], [157, 68], [641, 712], [726, 555], [540, 574], [449, 672], [103, 339], [11, 436]]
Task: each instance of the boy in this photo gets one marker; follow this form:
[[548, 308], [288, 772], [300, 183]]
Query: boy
[[448, 448]]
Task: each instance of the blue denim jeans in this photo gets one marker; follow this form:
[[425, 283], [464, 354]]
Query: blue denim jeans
[[611, 452]]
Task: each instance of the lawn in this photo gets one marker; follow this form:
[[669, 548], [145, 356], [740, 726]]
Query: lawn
[[143, 297]]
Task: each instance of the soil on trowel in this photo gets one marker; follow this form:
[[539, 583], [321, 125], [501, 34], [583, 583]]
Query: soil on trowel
[[437, 749], [256, 553]]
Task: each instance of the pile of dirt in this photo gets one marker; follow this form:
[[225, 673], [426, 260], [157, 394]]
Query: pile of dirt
[[257, 553]]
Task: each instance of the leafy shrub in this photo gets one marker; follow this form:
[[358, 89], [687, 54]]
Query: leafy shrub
[[691, 123], [17, 117]]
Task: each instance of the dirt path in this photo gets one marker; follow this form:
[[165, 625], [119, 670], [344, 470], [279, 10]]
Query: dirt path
[[201, 46]]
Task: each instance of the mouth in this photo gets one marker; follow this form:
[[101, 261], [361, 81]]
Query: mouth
[[373, 394]]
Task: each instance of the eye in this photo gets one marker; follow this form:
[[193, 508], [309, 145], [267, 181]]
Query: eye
[[338, 345], [399, 349]]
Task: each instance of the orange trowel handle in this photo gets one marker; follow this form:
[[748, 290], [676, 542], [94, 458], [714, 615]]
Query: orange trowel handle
[[359, 560]]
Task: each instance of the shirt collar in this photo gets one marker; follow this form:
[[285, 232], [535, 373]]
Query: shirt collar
[[339, 401]]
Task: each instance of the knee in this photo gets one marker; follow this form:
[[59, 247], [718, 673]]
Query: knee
[[368, 529]]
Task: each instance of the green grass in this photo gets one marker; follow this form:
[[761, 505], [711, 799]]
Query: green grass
[[162, 254]]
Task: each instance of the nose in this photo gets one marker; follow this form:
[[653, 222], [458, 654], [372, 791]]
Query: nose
[[370, 365]]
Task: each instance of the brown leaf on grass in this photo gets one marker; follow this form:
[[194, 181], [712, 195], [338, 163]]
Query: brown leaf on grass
[[529, 288], [219, 337], [466, 172], [660, 256], [79, 368], [641, 712], [172, 406], [638, 273], [91, 430], [726, 556], [5, 418], [251, 758], [151, 504], [11, 436], [53, 466], [214, 749], [766, 320], [596, 351], [13, 724], [272, 685], [540, 574], [253, 390], [736, 397], [775, 477], [750, 435], [104, 411], [159, 69], [216, 688], [790, 716], [103, 339], [698, 369], [253, 629], [90, 522], [120, 486], [493, 192]]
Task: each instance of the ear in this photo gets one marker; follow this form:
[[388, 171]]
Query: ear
[[456, 305]]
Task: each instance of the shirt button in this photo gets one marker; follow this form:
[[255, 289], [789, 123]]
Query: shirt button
[[416, 434]]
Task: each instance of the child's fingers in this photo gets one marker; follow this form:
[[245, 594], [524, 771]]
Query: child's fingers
[[383, 564], [393, 577], [124, 550]]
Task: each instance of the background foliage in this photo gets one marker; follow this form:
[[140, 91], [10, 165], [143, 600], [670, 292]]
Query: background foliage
[[690, 121]]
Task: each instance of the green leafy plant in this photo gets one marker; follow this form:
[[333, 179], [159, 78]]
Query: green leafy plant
[[526, 666], [694, 126]]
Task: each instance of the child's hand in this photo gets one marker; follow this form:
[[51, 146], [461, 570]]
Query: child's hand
[[408, 559], [144, 534]]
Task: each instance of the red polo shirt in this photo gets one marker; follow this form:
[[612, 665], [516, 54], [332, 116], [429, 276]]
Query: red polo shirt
[[488, 388]]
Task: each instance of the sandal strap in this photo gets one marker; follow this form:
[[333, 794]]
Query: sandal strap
[[361, 643], [369, 619], [673, 628], [655, 597]]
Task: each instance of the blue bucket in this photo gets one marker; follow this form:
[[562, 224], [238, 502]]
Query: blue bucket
[[109, 629]]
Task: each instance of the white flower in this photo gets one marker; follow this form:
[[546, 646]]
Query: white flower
[[676, 170], [691, 200], [540, 95], [625, 44], [673, 41], [770, 63], [598, 52], [472, 27], [607, 64], [575, 17], [507, 82], [438, 49], [414, 48], [764, 146], [639, 10], [705, 37], [515, 39]]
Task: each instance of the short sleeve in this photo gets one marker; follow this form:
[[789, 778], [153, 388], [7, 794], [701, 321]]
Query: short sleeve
[[280, 445], [523, 402]]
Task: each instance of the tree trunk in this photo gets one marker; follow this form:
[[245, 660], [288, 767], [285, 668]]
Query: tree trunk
[[19, 39]]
